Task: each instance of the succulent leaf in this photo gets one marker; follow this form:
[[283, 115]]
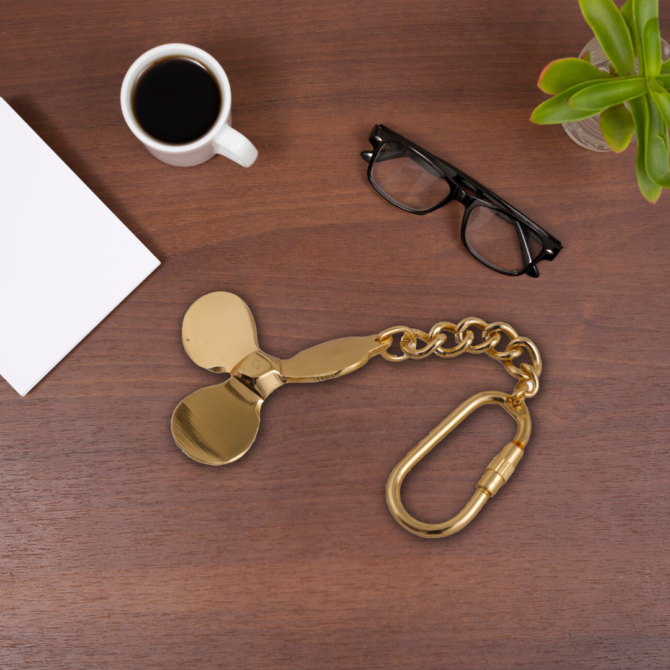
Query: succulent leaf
[[665, 68], [658, 161], [629, 18], [562, 74], [640, 113], [651, 47], [557, 110], [643, 10], [616, 124], [661, 99], [611, 30], [600, 95]]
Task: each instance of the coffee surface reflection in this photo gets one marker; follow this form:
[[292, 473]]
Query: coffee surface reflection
[[176, 100]]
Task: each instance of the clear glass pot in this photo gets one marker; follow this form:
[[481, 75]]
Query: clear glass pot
[[587, 133]]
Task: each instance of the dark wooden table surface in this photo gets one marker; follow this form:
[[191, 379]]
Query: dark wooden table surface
[[116, 551]]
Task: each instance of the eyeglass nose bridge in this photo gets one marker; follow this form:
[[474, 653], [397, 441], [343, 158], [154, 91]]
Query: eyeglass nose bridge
[[497, 473], [463, 197]]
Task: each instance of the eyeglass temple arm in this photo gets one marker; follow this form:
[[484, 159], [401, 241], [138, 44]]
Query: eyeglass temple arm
[[463, 179], [525, 251], [526, 254]]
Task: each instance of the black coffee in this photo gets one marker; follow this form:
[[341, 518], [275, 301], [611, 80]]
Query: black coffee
[[176, 100]]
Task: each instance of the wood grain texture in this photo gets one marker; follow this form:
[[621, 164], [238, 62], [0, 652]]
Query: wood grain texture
[[116, 551]]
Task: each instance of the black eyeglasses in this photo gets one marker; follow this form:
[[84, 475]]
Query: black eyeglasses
[[493, 231]]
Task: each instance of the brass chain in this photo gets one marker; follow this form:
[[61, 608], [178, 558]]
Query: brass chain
[[417, 344]]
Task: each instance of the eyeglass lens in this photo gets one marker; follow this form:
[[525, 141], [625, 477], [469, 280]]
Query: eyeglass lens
[[499, 240], [404, 177]]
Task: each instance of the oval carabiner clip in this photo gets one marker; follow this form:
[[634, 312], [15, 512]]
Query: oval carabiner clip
[[497, 473]]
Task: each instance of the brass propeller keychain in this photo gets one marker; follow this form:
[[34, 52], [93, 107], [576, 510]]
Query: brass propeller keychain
[[217, 424]]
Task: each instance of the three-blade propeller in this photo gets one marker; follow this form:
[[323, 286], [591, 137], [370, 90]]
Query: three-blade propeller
[[217, 424]]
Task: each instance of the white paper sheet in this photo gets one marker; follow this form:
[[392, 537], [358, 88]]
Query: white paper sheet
[[65, 260]]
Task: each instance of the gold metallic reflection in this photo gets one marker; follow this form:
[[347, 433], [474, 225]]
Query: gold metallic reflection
[[496, 475], [217, 424], [219, 331]]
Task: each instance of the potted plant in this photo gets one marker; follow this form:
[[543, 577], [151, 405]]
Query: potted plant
[[631, 97]]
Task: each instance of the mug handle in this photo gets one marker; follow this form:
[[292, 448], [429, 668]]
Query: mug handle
[[237, 147]]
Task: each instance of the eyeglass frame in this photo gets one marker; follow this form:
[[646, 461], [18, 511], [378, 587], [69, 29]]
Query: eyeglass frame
[[458, 182]]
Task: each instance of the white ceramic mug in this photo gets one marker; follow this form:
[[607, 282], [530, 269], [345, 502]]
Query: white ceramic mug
[[221, 138]]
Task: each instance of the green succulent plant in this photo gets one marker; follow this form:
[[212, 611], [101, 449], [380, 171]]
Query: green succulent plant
[[628, 101]]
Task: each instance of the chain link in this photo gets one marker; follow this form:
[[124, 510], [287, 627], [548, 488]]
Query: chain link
[[416, 344]]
